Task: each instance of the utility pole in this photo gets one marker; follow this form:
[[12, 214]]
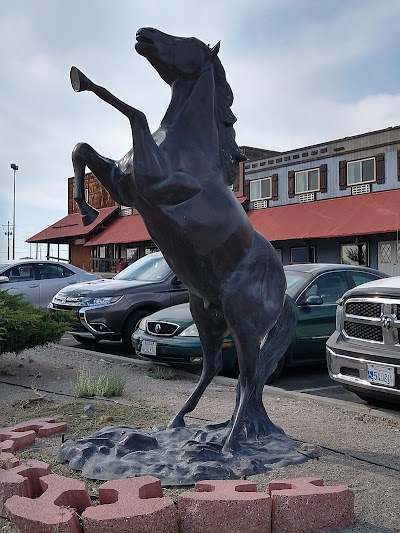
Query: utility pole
[[14, 168], [8, 233]]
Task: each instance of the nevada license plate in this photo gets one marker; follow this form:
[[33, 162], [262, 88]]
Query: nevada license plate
[[381, 375], [148, 348]]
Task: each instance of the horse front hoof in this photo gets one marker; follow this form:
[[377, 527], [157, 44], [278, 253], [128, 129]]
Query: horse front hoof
[[89, 217], [79, 81], [177, 423], [230, 445]]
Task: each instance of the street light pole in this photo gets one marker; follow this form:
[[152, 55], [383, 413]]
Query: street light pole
[[14, 168]]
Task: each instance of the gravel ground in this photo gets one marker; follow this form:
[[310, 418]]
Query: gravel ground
[[359, 448]]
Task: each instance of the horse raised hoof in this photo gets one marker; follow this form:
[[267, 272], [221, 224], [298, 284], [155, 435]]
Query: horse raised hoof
[[89, 216], [79, 81]]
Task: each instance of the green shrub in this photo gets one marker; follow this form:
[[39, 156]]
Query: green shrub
[[22, 325]]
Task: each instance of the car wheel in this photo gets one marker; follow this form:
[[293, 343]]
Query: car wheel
[[85, 340], [277, 372], [131, 325]]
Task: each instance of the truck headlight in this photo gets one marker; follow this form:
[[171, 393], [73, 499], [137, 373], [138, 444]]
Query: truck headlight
[[191, 331], [339, 316]]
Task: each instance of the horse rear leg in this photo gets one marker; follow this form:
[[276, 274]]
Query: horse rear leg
[[105, 171], [212, 331], [251, 306]]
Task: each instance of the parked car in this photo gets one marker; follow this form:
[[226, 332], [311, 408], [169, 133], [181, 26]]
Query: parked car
[[363, 353], [38, 281], [170, 336], [110, 309]]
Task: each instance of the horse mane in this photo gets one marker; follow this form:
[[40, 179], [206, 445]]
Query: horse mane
[[230, 152]]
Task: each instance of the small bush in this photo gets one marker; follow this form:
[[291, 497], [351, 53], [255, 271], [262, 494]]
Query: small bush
[[161, 373], [105, 385], [23, 325]]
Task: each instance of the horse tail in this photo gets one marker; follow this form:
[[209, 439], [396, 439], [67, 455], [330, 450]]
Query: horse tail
[[278, 341]]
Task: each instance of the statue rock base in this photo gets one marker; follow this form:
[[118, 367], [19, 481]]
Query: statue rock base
[[177, 456]]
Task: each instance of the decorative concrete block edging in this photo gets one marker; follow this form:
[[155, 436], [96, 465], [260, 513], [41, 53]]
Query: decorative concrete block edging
[[37, 501], [131, 505], [24, 434], [54, 510], [225, 506], [306, 505]]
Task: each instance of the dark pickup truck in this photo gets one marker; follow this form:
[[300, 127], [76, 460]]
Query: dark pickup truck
[[111, 309]]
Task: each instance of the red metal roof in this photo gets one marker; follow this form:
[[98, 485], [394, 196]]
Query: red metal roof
[[351, 215], [130, 228], [71, 226]]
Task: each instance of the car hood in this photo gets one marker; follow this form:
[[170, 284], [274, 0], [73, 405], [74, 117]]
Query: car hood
[[380, 287], [101, 287], [179, 314]]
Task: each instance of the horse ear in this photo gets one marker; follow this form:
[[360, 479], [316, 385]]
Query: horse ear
[[215, 49]]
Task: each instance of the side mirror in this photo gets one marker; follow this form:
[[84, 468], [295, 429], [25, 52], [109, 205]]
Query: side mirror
[[314, 300], [176, 281], [4, 279]]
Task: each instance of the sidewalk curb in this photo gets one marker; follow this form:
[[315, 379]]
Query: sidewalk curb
[[331, 402]]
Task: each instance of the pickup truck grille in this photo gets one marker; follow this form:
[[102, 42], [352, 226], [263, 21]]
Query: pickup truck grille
[[372, 320], [363, 331], [364, 309]]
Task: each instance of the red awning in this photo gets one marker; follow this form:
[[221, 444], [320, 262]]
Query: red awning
[[130, 228], [351, 215], [71, 226]]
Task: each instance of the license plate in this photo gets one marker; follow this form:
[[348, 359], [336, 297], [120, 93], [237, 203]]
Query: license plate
[[381, 375], [148, 347]]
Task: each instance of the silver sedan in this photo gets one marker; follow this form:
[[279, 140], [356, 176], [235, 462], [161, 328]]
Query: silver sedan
[[38, 281]]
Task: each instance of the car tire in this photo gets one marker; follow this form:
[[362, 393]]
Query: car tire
[[277, 372], [131, 325], [85, 340]]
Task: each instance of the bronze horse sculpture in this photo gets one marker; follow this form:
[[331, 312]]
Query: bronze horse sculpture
[[179, 179]]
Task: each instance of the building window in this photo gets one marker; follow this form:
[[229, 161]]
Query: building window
[[361, 171], [302, 254], [260, 189], [307, 181], [354, 254], [279, 253]]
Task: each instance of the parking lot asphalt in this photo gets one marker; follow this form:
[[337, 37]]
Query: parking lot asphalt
[[357, 445]]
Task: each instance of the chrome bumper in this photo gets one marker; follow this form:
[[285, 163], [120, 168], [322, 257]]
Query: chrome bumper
[[338, 361]]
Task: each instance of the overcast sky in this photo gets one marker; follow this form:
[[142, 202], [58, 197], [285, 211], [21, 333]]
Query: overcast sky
[[302, 72]]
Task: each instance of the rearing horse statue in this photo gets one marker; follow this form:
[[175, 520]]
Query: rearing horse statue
[[179, 178]]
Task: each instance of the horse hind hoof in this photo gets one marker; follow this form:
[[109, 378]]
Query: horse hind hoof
[[79, 81], [89, 217]]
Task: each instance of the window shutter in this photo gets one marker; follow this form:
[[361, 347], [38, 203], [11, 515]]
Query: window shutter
[[246, 188], [398, 165], [342, 175], [380, 168], [274, 181], [323, 178], [291, 183]]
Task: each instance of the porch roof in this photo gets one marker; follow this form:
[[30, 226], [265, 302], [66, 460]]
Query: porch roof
[[70, 226], [126, 229], [363, 214]]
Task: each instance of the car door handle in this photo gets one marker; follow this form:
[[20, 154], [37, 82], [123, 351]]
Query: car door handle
[[72, 282], [33, 286]]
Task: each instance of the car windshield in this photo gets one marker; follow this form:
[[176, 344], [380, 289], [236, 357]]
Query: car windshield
[[296, 280], [148, 268]]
